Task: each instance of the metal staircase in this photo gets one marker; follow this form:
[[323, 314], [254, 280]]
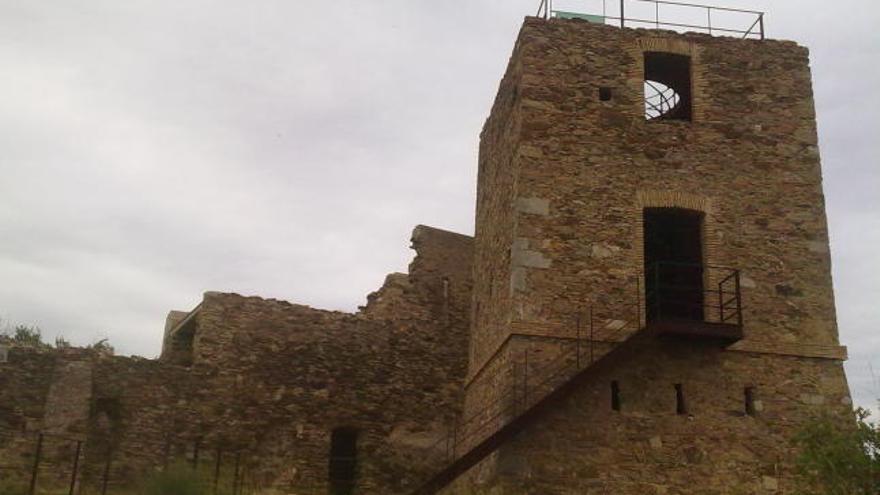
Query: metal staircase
[[602, 339]]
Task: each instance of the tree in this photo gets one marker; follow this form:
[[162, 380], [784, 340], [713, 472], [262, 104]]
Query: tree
[[840, 461]]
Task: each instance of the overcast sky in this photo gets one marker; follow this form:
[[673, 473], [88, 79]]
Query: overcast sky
[[153, 150]]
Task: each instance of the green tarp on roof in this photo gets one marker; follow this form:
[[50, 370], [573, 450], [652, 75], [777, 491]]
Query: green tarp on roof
[[561, 14]]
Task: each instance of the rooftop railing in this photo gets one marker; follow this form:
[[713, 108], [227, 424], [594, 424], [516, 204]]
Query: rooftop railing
[[678, 16]]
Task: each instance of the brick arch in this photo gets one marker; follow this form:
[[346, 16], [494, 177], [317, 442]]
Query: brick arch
[[676, 199], [679, 47]]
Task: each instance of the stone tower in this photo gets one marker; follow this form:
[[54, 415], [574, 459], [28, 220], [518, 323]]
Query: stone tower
[[674, 252]]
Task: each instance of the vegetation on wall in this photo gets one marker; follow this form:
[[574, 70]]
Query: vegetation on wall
[[32, 336], [835, 461], [24, 335]]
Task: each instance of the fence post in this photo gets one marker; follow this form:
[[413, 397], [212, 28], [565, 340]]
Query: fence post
[[166, 452], [217, 468], [37, 455], [195, 460], [235, 473], [761, 23], [592, 336], [106, 473], [622, 12], [75, 467]]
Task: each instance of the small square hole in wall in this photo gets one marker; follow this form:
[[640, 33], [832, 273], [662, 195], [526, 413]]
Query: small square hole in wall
[[604, 93]]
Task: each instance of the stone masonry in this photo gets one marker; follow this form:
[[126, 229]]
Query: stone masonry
[[564, 179]]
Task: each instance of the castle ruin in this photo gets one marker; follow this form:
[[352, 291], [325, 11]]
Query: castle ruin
[[646, 307]]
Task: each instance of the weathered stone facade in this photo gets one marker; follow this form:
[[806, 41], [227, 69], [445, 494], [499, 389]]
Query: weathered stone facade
[[557, 260], [564, 180], [268, 380]]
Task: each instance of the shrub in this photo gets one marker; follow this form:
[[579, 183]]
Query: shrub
[[840, 461]]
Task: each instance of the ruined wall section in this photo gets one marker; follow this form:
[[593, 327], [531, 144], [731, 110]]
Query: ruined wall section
[[272, 379], [25, 379]]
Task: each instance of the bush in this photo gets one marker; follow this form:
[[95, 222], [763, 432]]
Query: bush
[[840, 461], [28, 336]]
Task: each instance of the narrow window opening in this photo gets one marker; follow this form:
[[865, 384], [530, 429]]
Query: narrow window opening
[[615, 396], [343, 461], [680, 406], [667, 86], [604, 94], [750, 400]]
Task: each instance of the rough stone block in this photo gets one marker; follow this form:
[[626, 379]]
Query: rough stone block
[[769, 483], [520, 255], [518, 276], [533, 206]]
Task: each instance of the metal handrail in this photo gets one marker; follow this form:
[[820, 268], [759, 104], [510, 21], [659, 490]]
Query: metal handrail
[[545, 11], [525, 389], [684, 4], [727, 308]]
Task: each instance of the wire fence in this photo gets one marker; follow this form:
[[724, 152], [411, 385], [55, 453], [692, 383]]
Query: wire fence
[[44, 463]]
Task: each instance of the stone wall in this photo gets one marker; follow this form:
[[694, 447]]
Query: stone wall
[[267, 381], [583, 446], [25, 379]]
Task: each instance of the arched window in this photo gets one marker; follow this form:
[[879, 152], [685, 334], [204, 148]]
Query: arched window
[[343, 461]]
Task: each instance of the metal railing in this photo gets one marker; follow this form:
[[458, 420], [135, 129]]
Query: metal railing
[[43, 458], [692, 291], [619, 15], [529, 380]]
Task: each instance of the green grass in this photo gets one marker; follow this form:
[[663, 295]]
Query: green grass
[[175, 481]]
